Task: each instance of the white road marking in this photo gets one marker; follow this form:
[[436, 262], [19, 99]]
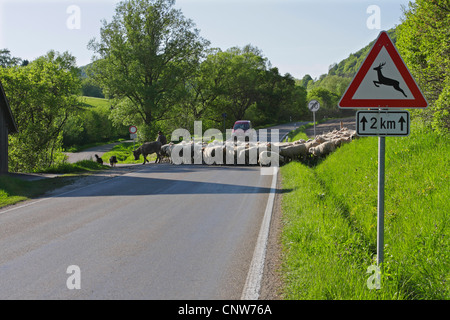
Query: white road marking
[[252, 285]]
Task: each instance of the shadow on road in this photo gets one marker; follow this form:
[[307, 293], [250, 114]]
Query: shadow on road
[[130, 185]]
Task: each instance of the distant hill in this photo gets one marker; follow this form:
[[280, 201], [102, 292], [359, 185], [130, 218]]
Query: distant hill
[[83, 69], [348, 67]]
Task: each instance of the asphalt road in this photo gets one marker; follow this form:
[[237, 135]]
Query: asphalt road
[[159, 232]]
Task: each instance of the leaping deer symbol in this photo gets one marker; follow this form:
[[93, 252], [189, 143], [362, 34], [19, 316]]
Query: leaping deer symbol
[[386, 81]]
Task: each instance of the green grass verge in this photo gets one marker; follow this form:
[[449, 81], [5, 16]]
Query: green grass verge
[[13, 190], [77, 167], [299, 133], [329, 237], [124, 153]]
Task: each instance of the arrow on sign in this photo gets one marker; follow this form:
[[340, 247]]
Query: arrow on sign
[[364, 121], [402, 121]]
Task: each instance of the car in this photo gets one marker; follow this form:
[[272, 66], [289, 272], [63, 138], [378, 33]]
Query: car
[[242, 128]]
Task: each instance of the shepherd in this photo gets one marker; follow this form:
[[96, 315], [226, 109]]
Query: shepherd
[[161, 138]]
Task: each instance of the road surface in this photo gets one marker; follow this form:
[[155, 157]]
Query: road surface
[[159, 232]]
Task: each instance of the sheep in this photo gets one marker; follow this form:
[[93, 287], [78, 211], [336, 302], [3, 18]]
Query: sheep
[[323, 149], [283, 144], [186, 152], [229, 154], [299, 141], [113, 161], [341, 140], [293, 152], [265, 158], [166, 151], [99, 160], [248, 155], [213, 153], [311, 143]]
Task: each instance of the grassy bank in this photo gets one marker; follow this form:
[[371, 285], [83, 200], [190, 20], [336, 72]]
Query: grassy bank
[[124, 153], [13, 190], [329, 238]]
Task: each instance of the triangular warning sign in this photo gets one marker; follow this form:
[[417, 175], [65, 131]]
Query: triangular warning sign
[[383, 81]]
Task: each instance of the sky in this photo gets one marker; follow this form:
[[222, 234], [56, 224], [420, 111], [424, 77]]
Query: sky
[[297, 36]]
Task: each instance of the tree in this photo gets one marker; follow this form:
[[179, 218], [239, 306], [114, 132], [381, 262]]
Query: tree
[[305, 80], [239, 73], [423, 42], [280, 98], [327, 99], [42, 96], [7, 61], [145, 53]]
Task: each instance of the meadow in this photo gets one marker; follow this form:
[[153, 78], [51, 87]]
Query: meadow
[[330, 221], [92, 125]]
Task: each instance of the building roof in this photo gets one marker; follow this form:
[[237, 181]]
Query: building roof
[[4, 107]]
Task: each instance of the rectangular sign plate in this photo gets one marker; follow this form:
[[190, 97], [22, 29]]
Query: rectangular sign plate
[[382, 123]]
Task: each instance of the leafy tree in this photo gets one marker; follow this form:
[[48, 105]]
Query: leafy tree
[[333, 83], [305, 80], [90, 89], [7, 61], [239, 74], [145, 53], [280, 98], [42, 97], [423, 41]]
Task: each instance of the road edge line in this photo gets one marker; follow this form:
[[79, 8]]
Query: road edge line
[[252, 285]]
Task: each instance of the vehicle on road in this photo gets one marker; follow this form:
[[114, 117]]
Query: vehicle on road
[[242, 128]]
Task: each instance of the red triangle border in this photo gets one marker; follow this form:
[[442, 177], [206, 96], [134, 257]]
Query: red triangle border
[[419, 100]]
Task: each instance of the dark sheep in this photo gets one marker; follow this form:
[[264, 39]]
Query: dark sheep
[[148, 148]]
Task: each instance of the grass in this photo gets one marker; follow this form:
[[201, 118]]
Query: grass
[[13, 190], [95, 102], [77, 167], [329, 238], [124, 153], [77, 148], [299, 133]]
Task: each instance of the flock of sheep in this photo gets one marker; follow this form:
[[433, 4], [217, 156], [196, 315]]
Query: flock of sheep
[[252, 153]]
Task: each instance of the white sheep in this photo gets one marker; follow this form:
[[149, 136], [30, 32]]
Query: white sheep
[[323, 149], [248, 155], [266, 157], [213, 154], [293, 152]]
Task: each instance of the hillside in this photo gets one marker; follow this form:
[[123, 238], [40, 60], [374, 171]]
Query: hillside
[[349, 66], [330, 218]]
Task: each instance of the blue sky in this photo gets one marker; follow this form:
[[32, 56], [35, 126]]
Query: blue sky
[[297, 36]]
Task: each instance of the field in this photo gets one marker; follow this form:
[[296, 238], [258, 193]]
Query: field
[[92, 125], [330, 221]]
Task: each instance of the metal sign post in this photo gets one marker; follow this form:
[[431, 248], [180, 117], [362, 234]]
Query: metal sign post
[[314, 106], [382, 123], [380, 206], [383, 83], [133, 133]]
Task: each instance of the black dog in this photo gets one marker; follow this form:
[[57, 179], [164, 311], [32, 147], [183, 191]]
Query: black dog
[[99, 160], [112, 161]]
